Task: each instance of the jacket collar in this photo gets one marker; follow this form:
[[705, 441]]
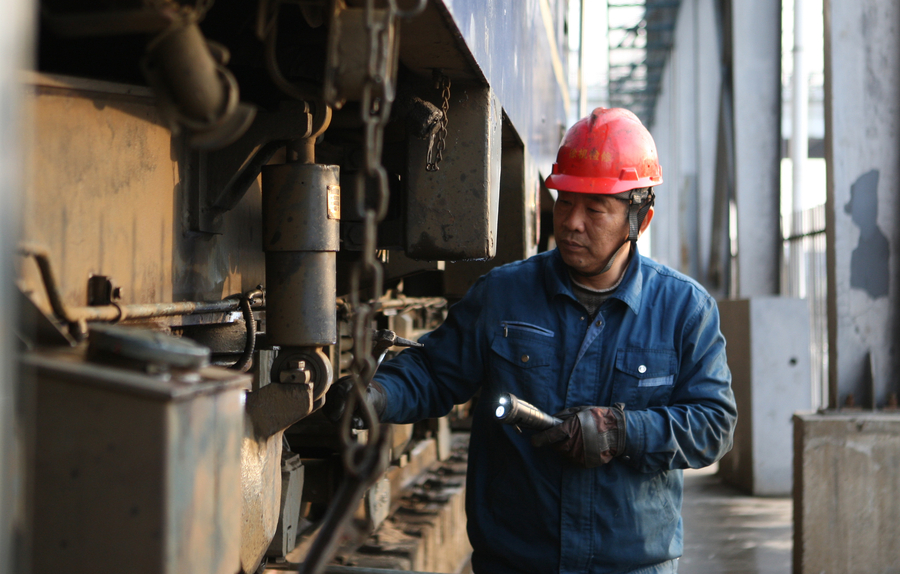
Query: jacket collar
[[558, 282]]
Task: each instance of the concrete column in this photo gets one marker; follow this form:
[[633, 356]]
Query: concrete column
[[16, 53], [846, 508], [685, 133], [768, 354], [862, 119], [756, 49]]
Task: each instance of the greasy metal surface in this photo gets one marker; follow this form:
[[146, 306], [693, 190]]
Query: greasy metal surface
[[314, 361], [112, 312], [162, 500], [162, 388], [519, 225], [452, 213], [277, 406], [194, 89], [217, 180], [426, 531], [120, 343], [347, 64], [378, 502], [292, 476], [359, 570], [300, 298], [300, 240], [228, 338], [296, 214], [188, 71], [108, 201], [261, 494], [507, 44]]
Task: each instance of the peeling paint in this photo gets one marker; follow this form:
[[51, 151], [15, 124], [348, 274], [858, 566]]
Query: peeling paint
[[869, 261]]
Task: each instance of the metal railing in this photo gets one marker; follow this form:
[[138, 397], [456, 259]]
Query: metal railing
[[804, 276]]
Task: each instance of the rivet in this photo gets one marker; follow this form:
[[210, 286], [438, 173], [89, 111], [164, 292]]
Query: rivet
[[642, 369], [599, 323], [525, 358]]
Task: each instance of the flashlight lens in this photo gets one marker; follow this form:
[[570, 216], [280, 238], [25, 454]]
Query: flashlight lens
[[501, 410]]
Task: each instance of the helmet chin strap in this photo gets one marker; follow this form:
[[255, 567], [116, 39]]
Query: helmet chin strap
[[609, 263], [639, 203]]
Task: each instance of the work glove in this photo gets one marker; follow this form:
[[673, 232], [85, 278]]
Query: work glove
[[589, 436], [336, 401]]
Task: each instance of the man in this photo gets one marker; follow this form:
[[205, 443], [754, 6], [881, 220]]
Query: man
[[627, 351]]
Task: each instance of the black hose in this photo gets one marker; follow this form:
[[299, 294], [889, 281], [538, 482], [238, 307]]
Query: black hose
[[246, 361]]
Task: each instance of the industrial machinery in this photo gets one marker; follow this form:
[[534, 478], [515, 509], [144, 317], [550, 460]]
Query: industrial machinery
[[230, 205]]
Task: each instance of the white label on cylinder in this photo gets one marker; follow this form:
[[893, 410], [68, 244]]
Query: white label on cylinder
[[334, 201]]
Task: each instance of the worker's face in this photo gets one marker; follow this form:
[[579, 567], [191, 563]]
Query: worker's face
[[589, 228]]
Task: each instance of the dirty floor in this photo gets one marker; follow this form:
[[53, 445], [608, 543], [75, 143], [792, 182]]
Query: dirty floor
[[728, 532]]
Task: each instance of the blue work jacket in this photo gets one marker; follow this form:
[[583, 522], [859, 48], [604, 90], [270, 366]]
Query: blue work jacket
[[654, 345]]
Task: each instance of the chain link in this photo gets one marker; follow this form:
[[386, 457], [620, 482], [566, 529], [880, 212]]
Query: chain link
[[364, 461], [436, 152]]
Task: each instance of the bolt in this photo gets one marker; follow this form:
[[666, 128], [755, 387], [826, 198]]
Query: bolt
[[297, 365], [294, 376]]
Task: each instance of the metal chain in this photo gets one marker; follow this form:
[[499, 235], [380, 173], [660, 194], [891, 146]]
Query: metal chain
[[378, 95], [436, 152], [364, 463]]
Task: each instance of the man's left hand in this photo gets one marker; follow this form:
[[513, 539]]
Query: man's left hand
[[589, 436]]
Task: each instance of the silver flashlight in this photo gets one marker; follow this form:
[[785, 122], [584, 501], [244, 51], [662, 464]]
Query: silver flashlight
[[514, 411]]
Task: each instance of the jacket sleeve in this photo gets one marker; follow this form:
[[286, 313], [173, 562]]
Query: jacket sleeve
[[426, 382], [696, 428]]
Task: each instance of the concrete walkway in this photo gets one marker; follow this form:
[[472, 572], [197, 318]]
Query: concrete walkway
[[728, 532]]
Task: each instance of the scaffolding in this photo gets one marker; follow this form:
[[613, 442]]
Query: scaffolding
[[641, 35]]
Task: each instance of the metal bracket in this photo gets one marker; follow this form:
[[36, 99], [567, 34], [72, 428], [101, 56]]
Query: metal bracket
[[277, 406], [216, 181]]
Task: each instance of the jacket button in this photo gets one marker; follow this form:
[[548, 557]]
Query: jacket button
[[642, 369], [525, 358]]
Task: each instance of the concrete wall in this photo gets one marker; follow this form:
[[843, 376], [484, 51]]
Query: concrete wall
[[768, 354], [846, 503], [862, 118]]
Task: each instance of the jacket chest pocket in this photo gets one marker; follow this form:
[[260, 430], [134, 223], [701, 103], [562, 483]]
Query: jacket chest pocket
[[644, 377], [522, 363]]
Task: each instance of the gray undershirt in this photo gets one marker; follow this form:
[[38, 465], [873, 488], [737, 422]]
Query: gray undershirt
[[592, 298]]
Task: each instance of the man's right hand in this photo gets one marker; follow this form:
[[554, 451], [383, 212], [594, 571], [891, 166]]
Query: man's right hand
[[338, 394]]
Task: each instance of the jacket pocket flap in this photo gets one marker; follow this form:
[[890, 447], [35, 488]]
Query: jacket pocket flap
[[526, 353], [647, 363]]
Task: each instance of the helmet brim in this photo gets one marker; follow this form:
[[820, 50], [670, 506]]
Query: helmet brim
[[598, 185]]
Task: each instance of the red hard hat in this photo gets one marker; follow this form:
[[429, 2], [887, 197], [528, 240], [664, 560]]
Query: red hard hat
[[608, 152]]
